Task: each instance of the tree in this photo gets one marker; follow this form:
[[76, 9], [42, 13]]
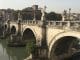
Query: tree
[[53, 16]]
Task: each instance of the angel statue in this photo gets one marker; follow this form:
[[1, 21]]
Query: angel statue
[[43, 13]]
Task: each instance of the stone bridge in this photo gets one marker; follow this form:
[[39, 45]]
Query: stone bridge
[[57, 38]]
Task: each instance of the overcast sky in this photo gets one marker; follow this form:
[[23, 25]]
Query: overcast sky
[[52, 5]]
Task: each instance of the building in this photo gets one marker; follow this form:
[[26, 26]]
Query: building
[[70, 16], [6, 14], [28, 13], [31, 13]]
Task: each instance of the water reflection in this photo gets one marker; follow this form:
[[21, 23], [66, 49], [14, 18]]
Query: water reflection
[[13, 53]]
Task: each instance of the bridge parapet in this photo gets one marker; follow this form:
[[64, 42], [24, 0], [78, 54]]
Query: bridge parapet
[[70, 25], [32, 22], [11, 21]]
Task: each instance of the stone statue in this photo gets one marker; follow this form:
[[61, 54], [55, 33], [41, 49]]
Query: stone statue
[[8, 17], [43, 13], [19, 16]]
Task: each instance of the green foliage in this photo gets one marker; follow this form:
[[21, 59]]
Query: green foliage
[[30, 46], [15, 14], [53, 16], [28, 14]]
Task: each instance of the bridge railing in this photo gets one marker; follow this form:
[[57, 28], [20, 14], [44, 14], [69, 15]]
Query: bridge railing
[[64, 24], [31, 22], [14, 21], [73, 25]]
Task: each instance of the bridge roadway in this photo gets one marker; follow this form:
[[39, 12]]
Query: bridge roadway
[[59, 37]]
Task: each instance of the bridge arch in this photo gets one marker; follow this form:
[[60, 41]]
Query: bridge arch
[[63, 43], [28, 34], [30, 40], [13, 30]]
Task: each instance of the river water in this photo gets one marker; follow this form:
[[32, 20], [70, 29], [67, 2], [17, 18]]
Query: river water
[[15, 53], [12, 53]]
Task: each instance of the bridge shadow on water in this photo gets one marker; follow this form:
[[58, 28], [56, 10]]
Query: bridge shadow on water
[[16, 53], [75, 56]]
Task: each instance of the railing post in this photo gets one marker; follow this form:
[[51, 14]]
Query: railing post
[[61, 23], [54, 23], [49, 23], [26, 21], [68, 24]]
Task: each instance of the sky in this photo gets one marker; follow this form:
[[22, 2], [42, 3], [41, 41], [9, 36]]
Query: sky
[[52, 5]]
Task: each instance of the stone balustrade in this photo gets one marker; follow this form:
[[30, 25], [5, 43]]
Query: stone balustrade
[[74, 25]]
